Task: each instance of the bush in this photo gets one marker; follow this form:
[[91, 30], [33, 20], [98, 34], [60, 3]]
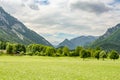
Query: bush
[[59, 52], [77, 51], [1, 53], [84, 54], [72, 53], [42, 53], [36, 53], [97, 54], [103, 54], [50, 51], [65, 51], [22, 53], [9, 49], [114, 55], [29, 53]]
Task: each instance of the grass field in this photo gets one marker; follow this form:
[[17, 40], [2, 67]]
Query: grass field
[[57, 68]]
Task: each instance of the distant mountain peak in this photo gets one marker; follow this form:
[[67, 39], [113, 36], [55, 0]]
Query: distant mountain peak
[[78, 41], [67, 43], [65, 40]]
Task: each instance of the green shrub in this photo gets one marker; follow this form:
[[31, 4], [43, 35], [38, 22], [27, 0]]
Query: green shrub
[[22, 53], [84, 54], [103, 55], [72, 53], [29, 53], [114, 55], [1, 53], [97, 54], [65, 51], [36, 53]]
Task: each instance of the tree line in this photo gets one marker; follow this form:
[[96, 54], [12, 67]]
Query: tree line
[[42, 50]]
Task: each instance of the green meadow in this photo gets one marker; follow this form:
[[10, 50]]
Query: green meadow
[[57, 68]]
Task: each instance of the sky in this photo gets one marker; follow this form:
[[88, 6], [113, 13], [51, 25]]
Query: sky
[[57, 20]]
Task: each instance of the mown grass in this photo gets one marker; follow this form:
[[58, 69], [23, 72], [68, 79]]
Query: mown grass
[[57, 68]]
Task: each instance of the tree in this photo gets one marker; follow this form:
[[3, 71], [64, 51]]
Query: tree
[[2, 45], [88, 53], [77, 51], [65, 51], [22, 53], [97, 54], [98, 48], [37, 53], [114, 55], [50, 51], [84, 54], [103, 54], [59, 52], [17, 48], [35, 48], [72, 53], [9, 49]]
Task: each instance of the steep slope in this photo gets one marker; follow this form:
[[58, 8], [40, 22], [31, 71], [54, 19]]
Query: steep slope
[[67, 43], [110, 40], [13, 30]]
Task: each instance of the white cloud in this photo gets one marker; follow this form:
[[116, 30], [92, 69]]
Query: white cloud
[[95, 7], [57, 17]]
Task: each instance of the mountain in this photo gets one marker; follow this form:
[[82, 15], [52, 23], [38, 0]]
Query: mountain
[[83, 40], [67, 43], [79, 41], [110, 31], [13, 30], [110, 40]]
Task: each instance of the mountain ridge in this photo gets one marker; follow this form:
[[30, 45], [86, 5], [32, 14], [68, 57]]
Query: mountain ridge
[[12, 30], [78, 41], [67, 43], [110, 40]]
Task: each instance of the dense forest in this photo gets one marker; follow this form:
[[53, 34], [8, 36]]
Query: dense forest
[[42, 50]]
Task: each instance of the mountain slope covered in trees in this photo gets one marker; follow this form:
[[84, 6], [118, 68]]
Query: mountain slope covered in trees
[[12, 30], [110, 40]]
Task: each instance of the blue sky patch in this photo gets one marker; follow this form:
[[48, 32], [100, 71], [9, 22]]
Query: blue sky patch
[[42, 2], [114, 2]]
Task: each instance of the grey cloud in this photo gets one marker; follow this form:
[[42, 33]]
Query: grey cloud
[[42, 2], [34, 4], [34, 7], [30, 3], [95, 7], [60, 22], [24, 0]]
